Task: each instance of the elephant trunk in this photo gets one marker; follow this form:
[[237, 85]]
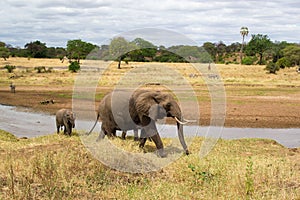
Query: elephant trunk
[[181, 137]]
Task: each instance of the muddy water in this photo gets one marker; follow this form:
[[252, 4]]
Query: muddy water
[[23, 123]]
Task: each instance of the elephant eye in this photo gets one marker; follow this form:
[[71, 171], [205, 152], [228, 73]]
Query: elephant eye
[[168, 105]]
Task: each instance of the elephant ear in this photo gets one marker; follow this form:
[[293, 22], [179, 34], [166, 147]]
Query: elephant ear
[[156, 111], [143, 103], [148, 104]]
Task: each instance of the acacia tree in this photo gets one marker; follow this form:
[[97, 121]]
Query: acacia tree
[[211, 49], [118, 49], [4, 52], [292, 54], [78, 49], [258, 44], [244, 32], [36, 49]]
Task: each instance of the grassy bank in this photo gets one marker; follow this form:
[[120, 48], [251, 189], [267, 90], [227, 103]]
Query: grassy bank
[[59, 167]]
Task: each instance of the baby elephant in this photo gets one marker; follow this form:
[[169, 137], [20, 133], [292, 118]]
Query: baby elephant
[[65, 118]]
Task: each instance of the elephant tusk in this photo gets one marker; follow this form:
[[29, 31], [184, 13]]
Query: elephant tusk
[[189, 121], [185, 121], [180, 122]]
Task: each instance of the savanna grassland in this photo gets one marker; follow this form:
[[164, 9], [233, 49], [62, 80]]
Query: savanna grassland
[[254, 98], [60, 167]]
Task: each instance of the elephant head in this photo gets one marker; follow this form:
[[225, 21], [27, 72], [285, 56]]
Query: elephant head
[[153, 105], [65, 118], [69, 119]]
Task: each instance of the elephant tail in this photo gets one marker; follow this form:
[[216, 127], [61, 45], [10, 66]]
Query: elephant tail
[[94, 125]]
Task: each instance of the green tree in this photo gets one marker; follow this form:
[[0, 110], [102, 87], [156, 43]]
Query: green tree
[[220, 49], [74, 66], [78, 49], [191, 53], [211, 49], [292, 54], [4, 52], [37, 49], [258, 44], [277, 50], [272, 67], [145, 50], [118, 49]]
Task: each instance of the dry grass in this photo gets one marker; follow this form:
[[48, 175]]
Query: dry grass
[[231, 74], [33, 62], [59, 167]]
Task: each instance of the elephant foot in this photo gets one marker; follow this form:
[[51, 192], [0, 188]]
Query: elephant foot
[[161, 153], [187, 152], [100, 137], [136, 139]]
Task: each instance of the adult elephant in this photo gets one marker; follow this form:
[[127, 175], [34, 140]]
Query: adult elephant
[[65, 118], [122, 110]]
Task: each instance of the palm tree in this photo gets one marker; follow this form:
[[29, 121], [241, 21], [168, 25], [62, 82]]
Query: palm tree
[[244, 32]]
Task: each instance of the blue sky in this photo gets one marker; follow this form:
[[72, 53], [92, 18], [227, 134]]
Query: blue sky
[[55, 22]]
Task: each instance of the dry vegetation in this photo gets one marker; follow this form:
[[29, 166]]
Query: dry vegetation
[[60, 167]]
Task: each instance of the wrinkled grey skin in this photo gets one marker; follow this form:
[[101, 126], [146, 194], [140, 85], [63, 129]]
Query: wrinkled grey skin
[[145, 107], [65, 118]]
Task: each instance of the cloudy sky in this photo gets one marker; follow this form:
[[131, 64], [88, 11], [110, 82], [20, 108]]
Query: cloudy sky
[[54, 22]]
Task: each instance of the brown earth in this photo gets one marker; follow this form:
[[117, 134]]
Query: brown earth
[[241, 111]]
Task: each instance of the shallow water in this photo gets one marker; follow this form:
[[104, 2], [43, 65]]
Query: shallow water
[[23, 123]]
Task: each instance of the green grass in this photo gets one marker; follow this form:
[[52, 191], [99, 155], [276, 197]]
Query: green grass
[[59, 167]]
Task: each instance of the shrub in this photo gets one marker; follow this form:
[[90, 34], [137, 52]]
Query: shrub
[[283, 63], [40, 69], [74, 66], [272, 67], [248, 60], [10, 68]]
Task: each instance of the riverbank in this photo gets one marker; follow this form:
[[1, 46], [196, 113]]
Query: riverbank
[[254, 98], [25, 124]]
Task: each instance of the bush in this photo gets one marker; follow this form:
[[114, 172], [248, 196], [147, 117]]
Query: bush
[[248, 60], [74, 66], [10, 68], [283, 63], [272, 67], [40, 69]]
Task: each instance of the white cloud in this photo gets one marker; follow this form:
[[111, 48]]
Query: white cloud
[[55, 22]]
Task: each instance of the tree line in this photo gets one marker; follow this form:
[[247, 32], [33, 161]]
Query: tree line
[[259, 50]]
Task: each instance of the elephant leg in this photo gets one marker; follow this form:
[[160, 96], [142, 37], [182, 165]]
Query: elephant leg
[[123, 135], [101, 135], [136, 135], [152, 133], [70, 129], [65, 129], [58, 129], [143, 138], [159, 145]]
